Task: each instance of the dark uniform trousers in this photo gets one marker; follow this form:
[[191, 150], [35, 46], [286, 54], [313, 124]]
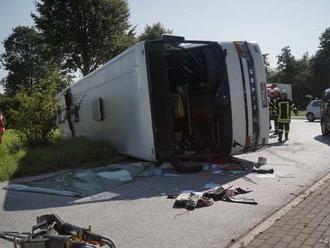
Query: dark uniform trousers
[[283, 128], [284, 107]]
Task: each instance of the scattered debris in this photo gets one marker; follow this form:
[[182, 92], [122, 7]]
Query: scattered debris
[[168, 171], [193, 200], [217, 172], [52, 231], [233, 167], [92, 184], [121, 175], [187, 166], [43, 190], [226, 160], [190, 201], [166, 165], [261, 161], [187, 191], [211, 167], [250, 180], [170, 175], [263, 171], [103, 196], [84, 183], [210, 185]]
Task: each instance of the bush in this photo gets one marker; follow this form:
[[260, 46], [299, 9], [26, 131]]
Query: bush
[[6, 105], [11, 151], [35, 117]]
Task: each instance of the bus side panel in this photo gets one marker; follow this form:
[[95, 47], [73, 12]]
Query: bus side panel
[[237, 96], [260, 74], [122, 84], [248, 98]]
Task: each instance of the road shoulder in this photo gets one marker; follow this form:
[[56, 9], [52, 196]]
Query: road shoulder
[[304, 222]]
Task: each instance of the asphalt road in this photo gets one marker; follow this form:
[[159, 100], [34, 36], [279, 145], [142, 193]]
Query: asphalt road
[[139, 215]]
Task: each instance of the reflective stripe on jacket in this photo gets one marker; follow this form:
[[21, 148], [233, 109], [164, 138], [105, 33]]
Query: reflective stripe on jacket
[[272, 111], [284, 109]]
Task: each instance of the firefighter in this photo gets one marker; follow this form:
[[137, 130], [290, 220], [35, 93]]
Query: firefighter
[[274, 97], [270, 107], [283, 108]]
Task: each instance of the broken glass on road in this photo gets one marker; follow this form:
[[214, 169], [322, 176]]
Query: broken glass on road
[[86, 182]]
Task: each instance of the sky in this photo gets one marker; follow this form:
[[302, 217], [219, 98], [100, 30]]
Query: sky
[[273, 24]]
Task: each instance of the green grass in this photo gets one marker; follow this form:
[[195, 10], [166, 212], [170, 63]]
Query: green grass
[[11, 152], [301, 113], [16, 160]]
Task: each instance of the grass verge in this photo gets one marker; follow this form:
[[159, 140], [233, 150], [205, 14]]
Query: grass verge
[[17, 160], [301, 113]]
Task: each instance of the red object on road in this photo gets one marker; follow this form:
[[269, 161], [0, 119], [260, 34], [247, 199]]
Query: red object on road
[[2, 127]]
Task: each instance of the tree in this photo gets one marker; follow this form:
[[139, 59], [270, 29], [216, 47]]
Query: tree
[[302, 85], [86, 33], [267, 65], [286, 66], [321, 65], [6, 105], [296, 72], [154, 31], [27, 59], [35, 117]]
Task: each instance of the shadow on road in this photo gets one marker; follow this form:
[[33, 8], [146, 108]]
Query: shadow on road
[[315, 121], [323, 139], [140, 188], [277, 143]]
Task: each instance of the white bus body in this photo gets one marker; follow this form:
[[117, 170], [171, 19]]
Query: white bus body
[[171, 98]]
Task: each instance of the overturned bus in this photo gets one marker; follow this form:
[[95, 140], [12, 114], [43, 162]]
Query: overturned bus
[[173, 98]]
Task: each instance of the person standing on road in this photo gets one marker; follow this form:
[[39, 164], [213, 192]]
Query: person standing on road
[[2, 127], [283, 108], [274, 97]]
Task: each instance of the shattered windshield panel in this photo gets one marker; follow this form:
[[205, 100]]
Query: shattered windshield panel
[[82, 183]]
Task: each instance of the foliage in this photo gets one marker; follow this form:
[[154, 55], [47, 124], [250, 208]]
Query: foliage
[[86, 33], [154, 31], [286, 66], [302, 85], [321, 65], [6, 105], [18, 160], [35, 116], [309, 76], [296, 72], [27, 58], [11, 152], [266, 64]]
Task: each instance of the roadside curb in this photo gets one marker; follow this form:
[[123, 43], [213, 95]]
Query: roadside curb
[[266, 223]]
